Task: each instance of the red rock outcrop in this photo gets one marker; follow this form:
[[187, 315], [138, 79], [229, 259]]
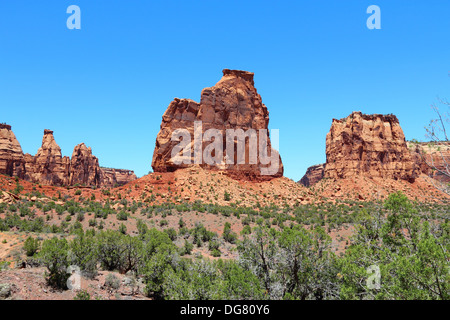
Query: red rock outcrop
[[370, 145], [233, 103], [84, 167], [435, 155], [313, 175], [49, 167], [11, 155], [116, 177], [365, 145]]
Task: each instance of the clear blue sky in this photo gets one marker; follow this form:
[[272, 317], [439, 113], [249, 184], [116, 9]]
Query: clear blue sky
[[109, 83]]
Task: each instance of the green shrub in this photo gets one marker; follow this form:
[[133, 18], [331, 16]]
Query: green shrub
[[92, 222], [112, 281], [31, 246], [82, 295], [228, 235], [214, 247], [122, 229], [80, 216], [187, 248], [246, 230], [163, 223], [122, 216], [171, 232], [83, 253], [216, 253], [54, 256]]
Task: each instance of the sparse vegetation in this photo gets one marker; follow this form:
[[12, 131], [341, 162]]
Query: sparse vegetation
[[156, 243]]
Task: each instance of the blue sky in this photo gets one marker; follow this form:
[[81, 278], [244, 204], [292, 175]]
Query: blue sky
[[109, 83]]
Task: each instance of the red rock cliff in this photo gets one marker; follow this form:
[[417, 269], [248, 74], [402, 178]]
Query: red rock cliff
[[113, 177], [233, 103], [49, 167], [11, 155], [313, 175], [428, 155], [371, 145]]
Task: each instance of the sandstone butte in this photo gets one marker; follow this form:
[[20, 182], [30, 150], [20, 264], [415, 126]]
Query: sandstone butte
[[49, 167], [233, 103], [427, 155], [375, 146]]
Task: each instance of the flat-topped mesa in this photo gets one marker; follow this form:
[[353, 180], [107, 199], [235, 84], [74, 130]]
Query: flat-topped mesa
[[370, 145], [233, 103]]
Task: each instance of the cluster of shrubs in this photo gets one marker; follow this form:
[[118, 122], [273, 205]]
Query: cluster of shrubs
[[409, 247]]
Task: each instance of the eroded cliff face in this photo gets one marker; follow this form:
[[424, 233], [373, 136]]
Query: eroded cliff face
[[11, 155], [49, 167], [370, 145], [313, 175], [233, 103], [84, 167], [114, 177], [432, 155]]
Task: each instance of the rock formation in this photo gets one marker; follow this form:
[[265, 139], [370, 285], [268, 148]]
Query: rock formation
[[313, 175], [84, 167], [428, 155], [49, 167], [114, 177], [369, 145], [233, 103], [11, 155], [7, 197]]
